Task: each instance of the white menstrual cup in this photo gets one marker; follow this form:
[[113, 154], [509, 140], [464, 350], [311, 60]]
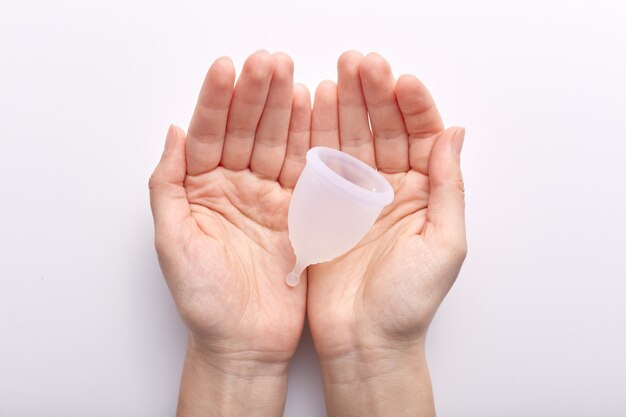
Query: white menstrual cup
[[335, 202]]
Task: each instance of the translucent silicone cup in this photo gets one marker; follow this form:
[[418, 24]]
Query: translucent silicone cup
[[335, 202]]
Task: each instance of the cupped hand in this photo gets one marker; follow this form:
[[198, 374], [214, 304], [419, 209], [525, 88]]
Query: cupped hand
[[383, 293], [219, 198]]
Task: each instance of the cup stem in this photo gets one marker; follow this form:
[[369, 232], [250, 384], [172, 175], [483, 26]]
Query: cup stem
[[293, 278]]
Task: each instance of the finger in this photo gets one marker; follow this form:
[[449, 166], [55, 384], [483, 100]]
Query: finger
[[354, 126], [446, 205], [324, 117], [299, 140], [270, 141], [245, 110], [168, 199], [421, 118], [208, 124], [390, 136]]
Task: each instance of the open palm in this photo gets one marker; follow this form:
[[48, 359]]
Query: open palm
[[390, 285], [220, 198]]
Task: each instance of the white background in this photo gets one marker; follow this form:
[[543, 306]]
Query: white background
[[535, 325]]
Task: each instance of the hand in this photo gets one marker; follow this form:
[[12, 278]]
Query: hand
[[369, 309], [219, 198]]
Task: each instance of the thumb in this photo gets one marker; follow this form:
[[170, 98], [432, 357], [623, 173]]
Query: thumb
[[168, 198], [446, 206]]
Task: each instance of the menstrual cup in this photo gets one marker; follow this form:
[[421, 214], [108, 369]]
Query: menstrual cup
[[334, 203]]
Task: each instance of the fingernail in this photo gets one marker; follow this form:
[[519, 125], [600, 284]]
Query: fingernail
[[169, 138], [457, 141]]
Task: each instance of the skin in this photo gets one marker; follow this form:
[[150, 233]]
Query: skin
[[369, 309], [220, 196]]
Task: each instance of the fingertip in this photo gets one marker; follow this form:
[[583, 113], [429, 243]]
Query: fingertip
[[223, 61], [457, 140], [172, 166], [169, 137], [222, 72], [173, 137], [325, 89], [453, 131], [444, 161], [258, 66], [408, 82], [301, 110], [180, 133], [413, 97], [374, 67], [174, 145], [301, 96], [349, 61], [282, 78], [283, 64], [325, 95]]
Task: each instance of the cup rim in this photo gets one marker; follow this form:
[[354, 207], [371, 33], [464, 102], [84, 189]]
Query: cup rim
[[380, 197]]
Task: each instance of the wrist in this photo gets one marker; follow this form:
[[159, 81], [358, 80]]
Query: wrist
[[230, 359], [380, 380], [215, 384]]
